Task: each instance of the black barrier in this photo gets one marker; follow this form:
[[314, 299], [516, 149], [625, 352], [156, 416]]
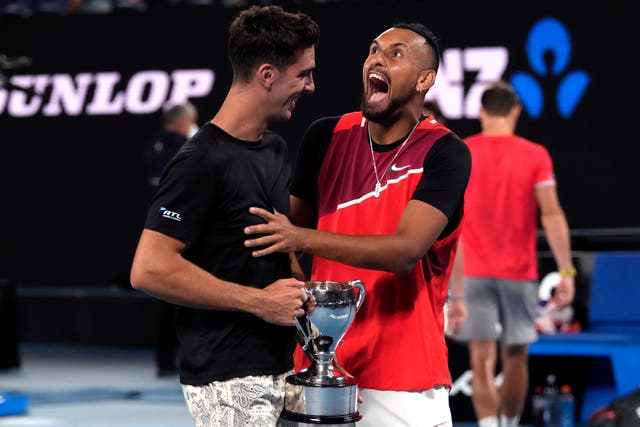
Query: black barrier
[[9, 354]]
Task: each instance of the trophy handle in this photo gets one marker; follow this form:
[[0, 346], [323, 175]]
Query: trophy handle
[[304, 325], [358, 284], [303, 333]]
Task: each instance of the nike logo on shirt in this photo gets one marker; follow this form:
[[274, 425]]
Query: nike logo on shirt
[[398, 169]]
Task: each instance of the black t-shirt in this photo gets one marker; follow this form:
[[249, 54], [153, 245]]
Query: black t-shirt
[[441, 182], [203, 200]]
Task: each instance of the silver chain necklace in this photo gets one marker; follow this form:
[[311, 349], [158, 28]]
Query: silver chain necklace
[[378, 188]]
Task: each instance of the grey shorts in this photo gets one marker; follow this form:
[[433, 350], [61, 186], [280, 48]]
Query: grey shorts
[[254, 401], [500, 310]]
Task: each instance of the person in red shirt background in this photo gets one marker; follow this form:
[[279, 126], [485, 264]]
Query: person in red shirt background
[[512, 181]]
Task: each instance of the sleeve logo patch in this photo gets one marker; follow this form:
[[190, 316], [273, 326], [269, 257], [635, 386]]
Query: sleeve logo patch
[[166, 213]]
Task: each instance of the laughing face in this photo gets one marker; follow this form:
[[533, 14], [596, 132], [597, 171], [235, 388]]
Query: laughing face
[[393, 73], [292, 82]]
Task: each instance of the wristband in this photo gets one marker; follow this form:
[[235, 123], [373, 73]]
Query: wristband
[[452, 298], [570, 272]]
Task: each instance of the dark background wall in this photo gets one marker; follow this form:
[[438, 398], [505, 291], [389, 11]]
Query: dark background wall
[[72, 186], [73, 191]]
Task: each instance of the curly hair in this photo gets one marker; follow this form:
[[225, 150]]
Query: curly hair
[[268, 34]]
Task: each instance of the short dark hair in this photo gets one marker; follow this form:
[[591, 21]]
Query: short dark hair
[[268, 34], [499, 98], [428, 35]]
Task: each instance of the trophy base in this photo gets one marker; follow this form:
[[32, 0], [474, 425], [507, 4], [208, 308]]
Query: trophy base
[[291, 419], [313, 404]]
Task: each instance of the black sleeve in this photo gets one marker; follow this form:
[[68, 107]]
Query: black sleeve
[[186, 191], [311, 152], [445, 177]]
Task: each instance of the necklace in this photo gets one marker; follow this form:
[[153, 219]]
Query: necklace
[[378, 187]]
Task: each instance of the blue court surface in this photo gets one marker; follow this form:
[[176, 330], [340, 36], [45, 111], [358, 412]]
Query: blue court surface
[[88, 386]]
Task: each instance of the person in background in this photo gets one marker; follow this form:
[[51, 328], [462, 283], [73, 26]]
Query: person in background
[[237, 314], [179, 123], [495, 275], [431, 108], [377, 195]]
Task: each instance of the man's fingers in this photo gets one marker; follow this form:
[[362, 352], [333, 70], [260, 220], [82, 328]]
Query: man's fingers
[[264, 214], [258, 229], [264, 252], [260, 241], [270, 240]]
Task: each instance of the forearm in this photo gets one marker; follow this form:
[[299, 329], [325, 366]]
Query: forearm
[[397, 252], [377, 252], [456, 280], [556, 231], [181, 282]]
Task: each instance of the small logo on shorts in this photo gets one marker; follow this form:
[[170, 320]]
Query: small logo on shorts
[[166, 213]]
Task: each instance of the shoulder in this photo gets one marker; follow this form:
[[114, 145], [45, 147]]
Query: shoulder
[[324, 124], [208, 149], [532, 148], [274, 141], [271, 137], [453, 145], [320, 131]]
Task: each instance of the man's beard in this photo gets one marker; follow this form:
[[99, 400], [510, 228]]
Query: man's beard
[[387, 114]]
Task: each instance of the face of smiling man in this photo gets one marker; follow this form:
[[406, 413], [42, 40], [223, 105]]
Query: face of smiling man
[[293, 81], [397, 71]]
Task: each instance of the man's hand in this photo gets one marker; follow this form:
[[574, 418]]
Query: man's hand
[[456, 316], [310, 305], [282, 302], [565, 291], [281, 235]]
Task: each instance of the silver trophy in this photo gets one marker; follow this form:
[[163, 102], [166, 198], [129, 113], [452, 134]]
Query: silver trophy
[[324, 393]]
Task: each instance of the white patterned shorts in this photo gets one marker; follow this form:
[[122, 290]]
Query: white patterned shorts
[[247, 401]]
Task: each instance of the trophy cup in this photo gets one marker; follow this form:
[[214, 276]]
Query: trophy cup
[[324, 393]]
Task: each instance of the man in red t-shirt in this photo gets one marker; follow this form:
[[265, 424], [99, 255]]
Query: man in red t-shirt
[[511, 181]]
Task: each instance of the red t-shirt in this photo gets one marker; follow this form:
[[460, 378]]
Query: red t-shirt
[[396, 341], [501, 212]]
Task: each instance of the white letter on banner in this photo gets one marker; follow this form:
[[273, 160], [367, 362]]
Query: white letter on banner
[[158, 83], [448, 90], [190, 84], [65, 94], [3, 99], [490, 63], [104, 101], [18, 104]]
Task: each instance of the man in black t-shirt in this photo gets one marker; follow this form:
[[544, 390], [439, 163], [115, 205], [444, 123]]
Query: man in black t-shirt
[[237, 312]]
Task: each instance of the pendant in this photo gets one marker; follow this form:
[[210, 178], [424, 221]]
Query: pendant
[[377, 190]]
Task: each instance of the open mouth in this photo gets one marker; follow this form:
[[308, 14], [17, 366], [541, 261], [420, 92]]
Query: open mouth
[[293, 101], [378, 87]]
